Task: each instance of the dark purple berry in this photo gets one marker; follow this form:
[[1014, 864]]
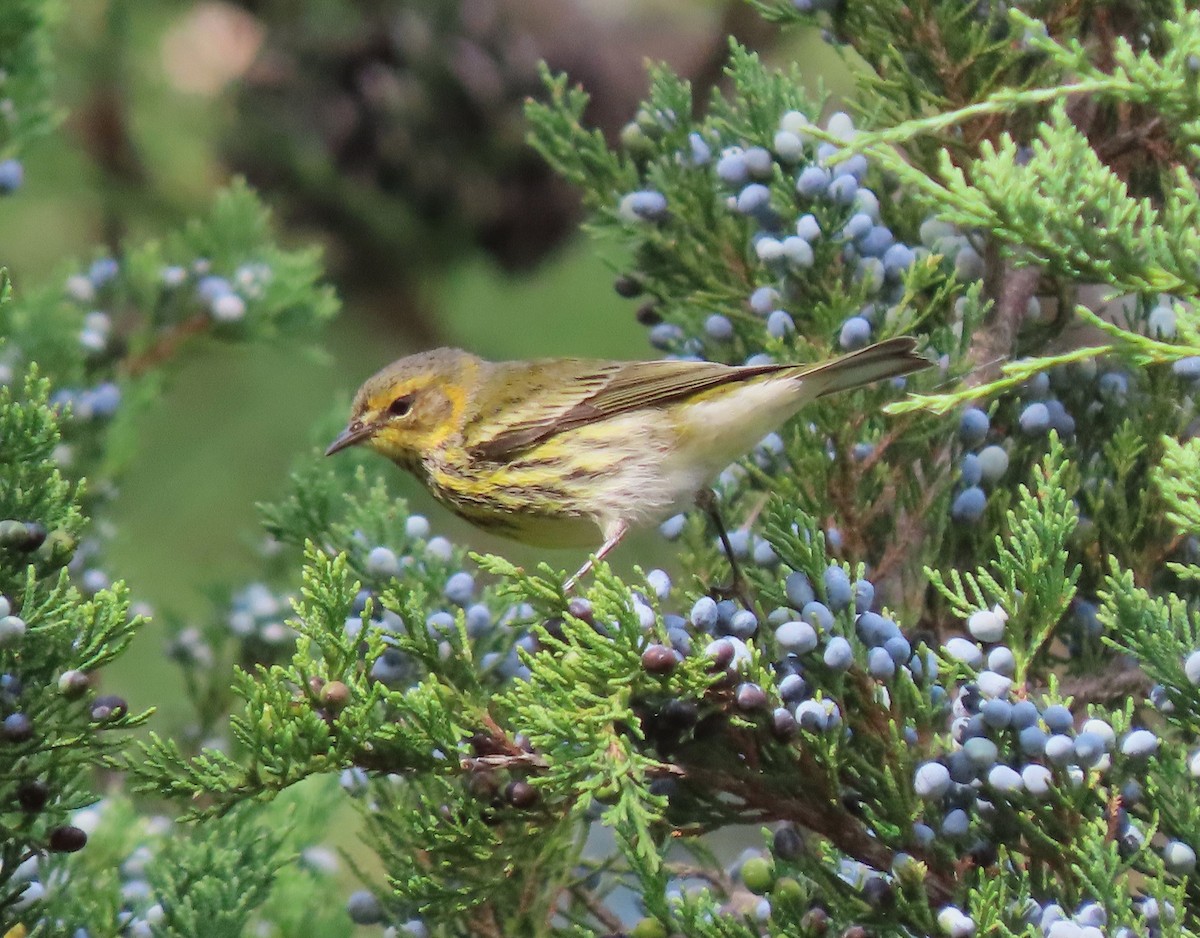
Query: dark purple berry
[[521, 794], [787, 843], [658, 659], [108, 707], [648, 314], [32, 796], [627, 286], [751, 697], [878, 894], [580, 608], [35, 535], [67, 839], [721, 653]]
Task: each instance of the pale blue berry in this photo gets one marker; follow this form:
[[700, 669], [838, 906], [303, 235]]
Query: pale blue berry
[[973, 426], [440, 548], [704, 614], [1187, 368], [812, 182], [1179, 858], [1060, 749], [968, 506], [1191, 668], [817, 615], [1032, 740], [796, 637], [1089, 747], [931, 781], [1037, 780], [1058, 719], [753, 199], [788, 146], [843, 189], [672, 527], [1024, 712], [383, 562], [964, 650], [12, 176], [718, 327], [763, 300], [758, 162], [798, 252], [876, 241], [460, 588], [993, 460], [780, 325], [898, 648], [1139, 744], [644, 205], [808, 228], [864, 596], [731, 168], [855, 333], [839, 656], [363, 908], [799, 590], [838, 591], [969, 470], [1035, 419], [996, 713], [897, 260], [1005, 779], [986, 625], [956, 824], [1160, 324], [981, 751], [858, 226], [880, 664]]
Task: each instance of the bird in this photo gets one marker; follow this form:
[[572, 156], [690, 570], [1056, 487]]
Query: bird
[[565, 452]]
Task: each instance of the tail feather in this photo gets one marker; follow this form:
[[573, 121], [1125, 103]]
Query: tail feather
[[892, 358]]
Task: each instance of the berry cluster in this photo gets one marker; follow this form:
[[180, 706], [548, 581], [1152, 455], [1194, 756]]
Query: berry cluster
[[813, 223]]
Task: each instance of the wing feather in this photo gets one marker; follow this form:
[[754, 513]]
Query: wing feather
[[531, 401], [562, 394]]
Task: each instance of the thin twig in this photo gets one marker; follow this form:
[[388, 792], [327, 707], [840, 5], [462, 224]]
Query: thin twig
[[166, 345]]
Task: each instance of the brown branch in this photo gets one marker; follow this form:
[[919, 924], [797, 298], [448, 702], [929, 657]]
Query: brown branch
[[597, 909], [1130, 139], [166, 345], [993, 344], [1119, 681], [524, 760]]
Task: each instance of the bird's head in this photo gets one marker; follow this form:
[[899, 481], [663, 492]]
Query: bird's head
[[411, 407]]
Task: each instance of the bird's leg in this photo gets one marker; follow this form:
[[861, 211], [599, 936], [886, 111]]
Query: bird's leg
[[612, 537], [706, 501]]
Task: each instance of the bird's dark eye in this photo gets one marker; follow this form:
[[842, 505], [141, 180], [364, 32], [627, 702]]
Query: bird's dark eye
[[401, 406]]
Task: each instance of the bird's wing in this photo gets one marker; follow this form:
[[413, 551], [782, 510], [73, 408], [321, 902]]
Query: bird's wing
[[530, 401], [535, 400]]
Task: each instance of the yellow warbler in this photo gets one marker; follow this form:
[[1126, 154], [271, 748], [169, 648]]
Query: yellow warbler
[[549, 451]]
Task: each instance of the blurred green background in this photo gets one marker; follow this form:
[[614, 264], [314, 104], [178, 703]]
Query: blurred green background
[[164, 100]]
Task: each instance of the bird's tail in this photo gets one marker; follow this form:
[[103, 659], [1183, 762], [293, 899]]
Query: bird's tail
[[888, 359]]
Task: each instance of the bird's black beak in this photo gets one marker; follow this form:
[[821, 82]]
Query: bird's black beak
[[355, 433]]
